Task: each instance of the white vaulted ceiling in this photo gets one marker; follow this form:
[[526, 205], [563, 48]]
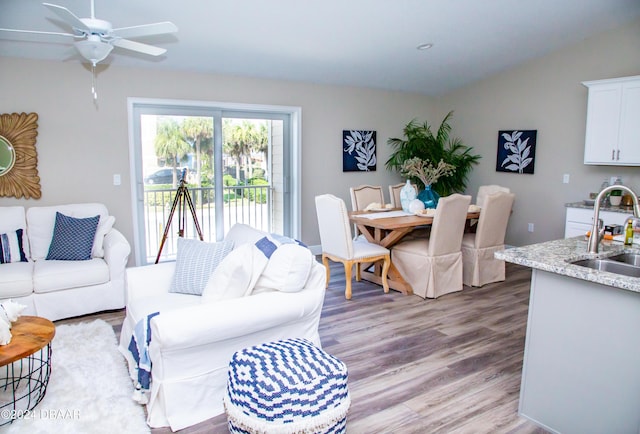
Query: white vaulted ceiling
[[370, 43]]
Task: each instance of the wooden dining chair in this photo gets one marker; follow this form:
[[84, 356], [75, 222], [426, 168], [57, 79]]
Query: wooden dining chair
[[394, 194], [338, 246], [433, 266], [478, 264], [362, 196]]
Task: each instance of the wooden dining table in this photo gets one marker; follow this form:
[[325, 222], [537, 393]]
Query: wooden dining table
[[387, 229]]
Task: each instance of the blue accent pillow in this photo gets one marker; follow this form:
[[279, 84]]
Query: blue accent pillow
[[72, 238], [195, 262], [266, 246], [282, 239], [11, 249], [270, 243]]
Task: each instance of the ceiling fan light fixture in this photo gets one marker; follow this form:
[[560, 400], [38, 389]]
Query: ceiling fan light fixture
[[93, 49], [98, 37]]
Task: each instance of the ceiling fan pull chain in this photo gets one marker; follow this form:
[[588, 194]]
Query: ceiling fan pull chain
[[93, 81]]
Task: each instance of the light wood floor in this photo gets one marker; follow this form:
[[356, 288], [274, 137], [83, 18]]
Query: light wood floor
[[450, 365]]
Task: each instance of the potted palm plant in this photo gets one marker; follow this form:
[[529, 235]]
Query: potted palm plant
[[420, 142]]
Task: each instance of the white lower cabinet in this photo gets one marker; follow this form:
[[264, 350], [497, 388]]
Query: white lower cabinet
[[580, 220]]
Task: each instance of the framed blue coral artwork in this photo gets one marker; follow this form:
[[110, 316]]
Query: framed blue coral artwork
[[516, 151], [358, 151]]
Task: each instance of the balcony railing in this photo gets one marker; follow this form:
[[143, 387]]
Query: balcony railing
[[242, 204]]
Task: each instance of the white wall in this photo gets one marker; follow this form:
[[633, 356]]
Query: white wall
[[545, 95], [81, 147]]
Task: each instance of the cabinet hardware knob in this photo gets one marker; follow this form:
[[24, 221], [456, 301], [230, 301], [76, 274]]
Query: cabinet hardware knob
[[613, 154], [618, 156]]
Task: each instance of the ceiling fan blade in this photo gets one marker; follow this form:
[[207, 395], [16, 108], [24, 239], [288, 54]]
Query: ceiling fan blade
[[67, 16], [137, 46], [145, 30], [34, 35]]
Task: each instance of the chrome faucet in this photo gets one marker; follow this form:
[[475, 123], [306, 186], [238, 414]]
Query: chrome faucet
[[597, 230]]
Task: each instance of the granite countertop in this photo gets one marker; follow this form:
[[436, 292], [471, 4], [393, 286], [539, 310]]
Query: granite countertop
[[620, 209], [554, 256]]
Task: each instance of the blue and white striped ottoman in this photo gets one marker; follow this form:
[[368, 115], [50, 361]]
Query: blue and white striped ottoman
[[287, 386]]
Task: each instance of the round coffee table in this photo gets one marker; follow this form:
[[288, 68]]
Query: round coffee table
[[25, 367]]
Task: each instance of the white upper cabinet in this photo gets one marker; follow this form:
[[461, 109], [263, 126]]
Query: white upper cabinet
[[613, 130]]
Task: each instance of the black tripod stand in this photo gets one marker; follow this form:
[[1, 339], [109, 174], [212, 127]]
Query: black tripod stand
[[182, 198]]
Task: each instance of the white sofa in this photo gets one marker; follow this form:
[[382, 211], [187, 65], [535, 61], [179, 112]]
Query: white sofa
[[193, 339], [57, 289]]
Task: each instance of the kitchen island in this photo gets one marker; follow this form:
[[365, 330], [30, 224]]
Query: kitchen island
[[581, 370]]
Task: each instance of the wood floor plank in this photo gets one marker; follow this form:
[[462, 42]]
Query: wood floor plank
[[450, 365]]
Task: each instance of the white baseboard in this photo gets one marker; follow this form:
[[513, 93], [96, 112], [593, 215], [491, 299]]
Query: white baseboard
[[316, 250]]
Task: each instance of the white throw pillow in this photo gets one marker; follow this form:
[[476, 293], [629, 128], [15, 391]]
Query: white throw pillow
[[241, 233], [287, 270], [104, 226], [236, 275]]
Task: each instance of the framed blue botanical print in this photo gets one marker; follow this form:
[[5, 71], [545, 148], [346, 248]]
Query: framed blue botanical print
[[358, 151], [516, 151]]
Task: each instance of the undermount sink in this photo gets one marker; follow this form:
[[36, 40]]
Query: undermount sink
[[627, 258], [612, 266]]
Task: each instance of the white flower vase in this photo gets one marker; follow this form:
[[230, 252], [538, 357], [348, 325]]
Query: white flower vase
[[407, 194]]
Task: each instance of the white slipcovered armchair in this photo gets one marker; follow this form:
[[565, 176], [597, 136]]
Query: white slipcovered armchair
[[193, 338]]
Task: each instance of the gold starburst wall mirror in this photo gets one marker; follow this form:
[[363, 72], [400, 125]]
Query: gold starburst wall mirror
[[18, 156]]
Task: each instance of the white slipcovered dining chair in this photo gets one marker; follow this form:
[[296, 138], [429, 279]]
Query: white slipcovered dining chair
[[479, 265], [433, 266], [486, 190], [338, 246]]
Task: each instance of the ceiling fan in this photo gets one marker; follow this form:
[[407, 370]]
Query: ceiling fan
[[94, 38]]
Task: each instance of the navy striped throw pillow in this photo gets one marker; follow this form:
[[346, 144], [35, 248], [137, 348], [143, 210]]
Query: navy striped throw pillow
[[11, 247]]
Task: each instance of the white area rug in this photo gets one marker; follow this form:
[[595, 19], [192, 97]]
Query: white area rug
[[89, 390]]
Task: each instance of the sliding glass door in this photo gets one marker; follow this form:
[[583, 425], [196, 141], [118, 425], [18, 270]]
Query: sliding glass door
[[199, 170]]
